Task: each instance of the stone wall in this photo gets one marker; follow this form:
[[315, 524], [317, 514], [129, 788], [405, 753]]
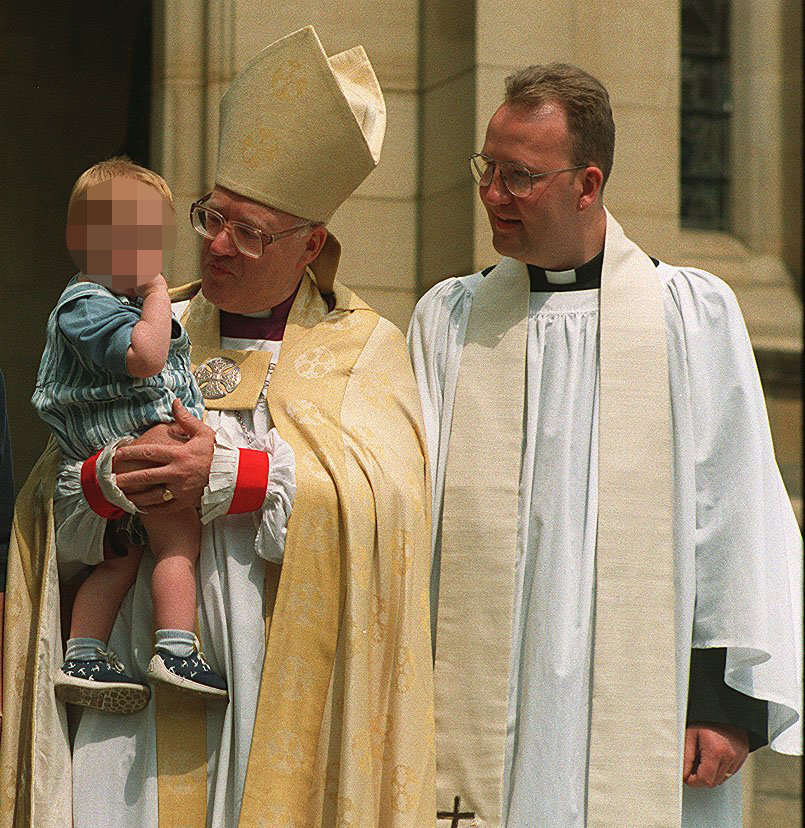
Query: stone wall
[[67, 89], [417, 218], [772, 790]]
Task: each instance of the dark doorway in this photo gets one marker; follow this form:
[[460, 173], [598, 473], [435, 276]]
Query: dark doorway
[[75, 88]]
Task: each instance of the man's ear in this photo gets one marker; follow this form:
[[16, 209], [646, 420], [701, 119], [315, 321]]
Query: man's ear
[[592, 180], [315, 242]]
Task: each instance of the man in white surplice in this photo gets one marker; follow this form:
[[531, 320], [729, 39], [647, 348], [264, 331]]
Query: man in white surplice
[[574, 661]]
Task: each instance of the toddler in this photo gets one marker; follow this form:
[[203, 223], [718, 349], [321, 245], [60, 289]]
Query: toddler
[[114, 362]]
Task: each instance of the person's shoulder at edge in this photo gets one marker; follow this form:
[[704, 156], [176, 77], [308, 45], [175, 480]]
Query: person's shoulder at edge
[[449, 291], [698, 295], [76, 288], [76, 292]]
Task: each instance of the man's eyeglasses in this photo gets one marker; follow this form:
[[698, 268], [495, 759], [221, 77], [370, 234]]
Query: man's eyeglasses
[[251, 241], [515, 177]]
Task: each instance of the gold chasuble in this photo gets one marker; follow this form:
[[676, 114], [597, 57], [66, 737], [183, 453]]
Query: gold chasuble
[[35, 773], [344, 729], [634, 706]]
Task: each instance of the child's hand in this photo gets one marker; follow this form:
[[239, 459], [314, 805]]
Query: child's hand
[[151, 336], [156, 285]]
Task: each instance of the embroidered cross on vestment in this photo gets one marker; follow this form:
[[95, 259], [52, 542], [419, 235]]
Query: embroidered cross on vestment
[[456, 814]]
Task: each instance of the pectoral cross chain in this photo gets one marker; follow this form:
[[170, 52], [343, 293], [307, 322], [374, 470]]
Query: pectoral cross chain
[[456, 814]]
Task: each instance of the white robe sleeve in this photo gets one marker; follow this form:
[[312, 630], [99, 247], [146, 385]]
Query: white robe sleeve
[[435, 339], [79, 530], [271, 520], [747, 542]]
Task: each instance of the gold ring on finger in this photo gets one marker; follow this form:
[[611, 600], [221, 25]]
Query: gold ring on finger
[[167, 494]]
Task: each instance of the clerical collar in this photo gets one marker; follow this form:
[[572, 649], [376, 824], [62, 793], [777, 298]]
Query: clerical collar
[[271, 326], [584, 277]]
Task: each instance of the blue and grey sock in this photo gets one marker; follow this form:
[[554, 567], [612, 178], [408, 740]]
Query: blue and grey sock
[[179, 643], [84, 649]]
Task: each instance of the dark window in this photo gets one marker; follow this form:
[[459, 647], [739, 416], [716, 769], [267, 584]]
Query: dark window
[[705, 114]]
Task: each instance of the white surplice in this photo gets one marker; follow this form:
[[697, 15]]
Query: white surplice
[[737, 545]]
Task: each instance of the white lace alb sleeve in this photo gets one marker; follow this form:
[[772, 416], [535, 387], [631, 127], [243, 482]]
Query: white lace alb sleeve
[[107, 480], [79, 530], [272, 519]]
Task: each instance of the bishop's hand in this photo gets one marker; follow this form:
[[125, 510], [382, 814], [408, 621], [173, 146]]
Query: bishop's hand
[[713, 753], [182, 467]]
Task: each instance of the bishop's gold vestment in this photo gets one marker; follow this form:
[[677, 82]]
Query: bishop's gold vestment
[[343, 731]]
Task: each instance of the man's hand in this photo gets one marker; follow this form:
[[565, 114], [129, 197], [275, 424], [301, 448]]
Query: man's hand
[[181, 467], [713, 753]]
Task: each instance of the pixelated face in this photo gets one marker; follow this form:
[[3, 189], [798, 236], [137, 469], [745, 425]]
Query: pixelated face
[[121, 233]]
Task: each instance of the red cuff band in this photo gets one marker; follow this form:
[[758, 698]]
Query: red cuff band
[[92, 490], [251, 483]]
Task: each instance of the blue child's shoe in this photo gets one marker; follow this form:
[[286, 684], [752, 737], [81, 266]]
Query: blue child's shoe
[[101, 684], [191, 673]]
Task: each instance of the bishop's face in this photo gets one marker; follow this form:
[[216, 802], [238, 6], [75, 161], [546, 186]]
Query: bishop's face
[[240, 284], [540, 228]]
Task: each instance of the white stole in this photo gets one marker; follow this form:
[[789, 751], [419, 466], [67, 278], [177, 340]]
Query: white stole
[[634, 708]]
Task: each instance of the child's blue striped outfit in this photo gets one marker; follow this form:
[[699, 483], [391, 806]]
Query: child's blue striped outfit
[[83, 391]]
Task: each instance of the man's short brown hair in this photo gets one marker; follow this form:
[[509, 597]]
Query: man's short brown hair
[[584, 100], [121, 166]]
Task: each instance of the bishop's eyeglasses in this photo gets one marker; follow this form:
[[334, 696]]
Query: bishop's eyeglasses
[[251, 241], [516, 177]]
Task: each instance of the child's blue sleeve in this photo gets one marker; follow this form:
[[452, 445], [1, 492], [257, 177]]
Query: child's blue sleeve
[[99, 328]]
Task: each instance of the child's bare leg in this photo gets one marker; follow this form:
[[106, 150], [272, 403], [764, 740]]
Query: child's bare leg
[[93, 676], [99, 598], [174, 540]]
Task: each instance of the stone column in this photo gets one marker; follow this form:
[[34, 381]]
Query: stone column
[[759, 148], [767, 170], [448, 136], [633, 49], [511, 35], [192, 66]]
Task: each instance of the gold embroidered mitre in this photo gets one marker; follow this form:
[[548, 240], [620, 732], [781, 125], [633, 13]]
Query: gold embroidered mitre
[[300, 131]]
